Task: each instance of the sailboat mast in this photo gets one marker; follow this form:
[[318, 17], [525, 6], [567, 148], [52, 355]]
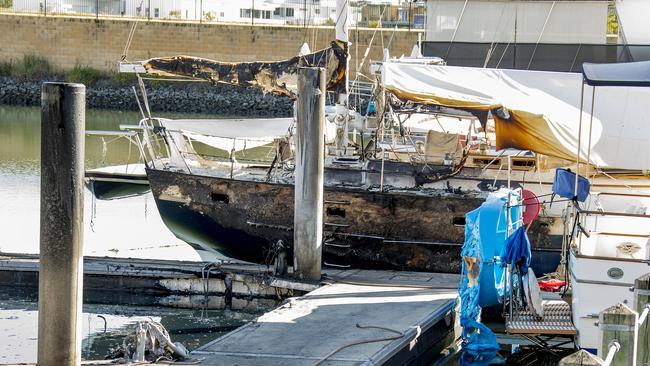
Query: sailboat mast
[[342, 110]]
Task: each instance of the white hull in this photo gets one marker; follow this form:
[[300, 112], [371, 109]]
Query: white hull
[[604, 266]]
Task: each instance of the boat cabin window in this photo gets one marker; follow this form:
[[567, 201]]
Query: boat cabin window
[[458, 220], [219, 197], [336, 211], [523, 163]]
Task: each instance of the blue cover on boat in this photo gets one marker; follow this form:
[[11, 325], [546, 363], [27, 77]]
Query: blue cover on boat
[[482, 275], [565, 182], [485, 236], [517, 250]]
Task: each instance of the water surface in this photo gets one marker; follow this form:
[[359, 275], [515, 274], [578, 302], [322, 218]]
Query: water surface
[[120, 228]]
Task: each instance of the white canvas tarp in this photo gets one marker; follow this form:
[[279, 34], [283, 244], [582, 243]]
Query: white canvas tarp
[[544, 109], [228, 134], [504, 21]]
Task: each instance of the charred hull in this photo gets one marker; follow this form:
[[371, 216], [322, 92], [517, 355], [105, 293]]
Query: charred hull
[[362, 229]]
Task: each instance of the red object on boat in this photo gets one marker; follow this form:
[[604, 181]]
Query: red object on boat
[[531, 206], [551, 285]]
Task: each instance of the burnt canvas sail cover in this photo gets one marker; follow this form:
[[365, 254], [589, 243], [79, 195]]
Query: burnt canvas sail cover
[[278, 77], [537, 110]]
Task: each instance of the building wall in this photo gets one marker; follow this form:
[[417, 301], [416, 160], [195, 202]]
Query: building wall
[[494, 21], [99, 43], [316, 11]]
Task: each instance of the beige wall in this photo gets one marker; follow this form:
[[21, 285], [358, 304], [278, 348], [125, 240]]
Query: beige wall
[[65, 41]]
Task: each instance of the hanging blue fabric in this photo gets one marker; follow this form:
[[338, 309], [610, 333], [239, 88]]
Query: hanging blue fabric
[[481, 276], [564, 185], [481, 347], [517, 250]]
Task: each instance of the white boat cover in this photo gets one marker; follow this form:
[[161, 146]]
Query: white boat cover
[[228, 134], [544, 109]]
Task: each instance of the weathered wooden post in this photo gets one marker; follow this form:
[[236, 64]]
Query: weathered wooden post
[[619, 323], [309, 141], [581, 358], [641, 299], [63, 108]]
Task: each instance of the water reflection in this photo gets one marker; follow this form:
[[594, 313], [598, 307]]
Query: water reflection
[[122, 228], [105, 326]]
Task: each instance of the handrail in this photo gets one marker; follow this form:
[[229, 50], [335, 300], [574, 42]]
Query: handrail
[[610, 213], [621, 234], [644, 315], [614, 347], [622, 194]]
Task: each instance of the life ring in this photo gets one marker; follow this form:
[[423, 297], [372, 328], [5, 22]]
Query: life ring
[[531, 206]]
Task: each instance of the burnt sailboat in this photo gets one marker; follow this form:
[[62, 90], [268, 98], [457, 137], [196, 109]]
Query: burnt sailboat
[[395, 203]]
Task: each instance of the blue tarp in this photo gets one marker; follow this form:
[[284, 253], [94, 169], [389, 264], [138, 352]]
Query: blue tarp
[[482, 279], [517, 250], [565, 182]]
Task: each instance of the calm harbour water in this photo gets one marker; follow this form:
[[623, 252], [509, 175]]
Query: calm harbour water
[[121, 228]]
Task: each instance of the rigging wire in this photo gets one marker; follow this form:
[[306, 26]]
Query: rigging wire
[[129, 38], [548, 16], [372, 38], [488, 56], [398, 335], [453, 37]]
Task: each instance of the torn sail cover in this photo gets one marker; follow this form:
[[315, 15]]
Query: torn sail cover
[[229, 134], [279, 77], [537, 110]]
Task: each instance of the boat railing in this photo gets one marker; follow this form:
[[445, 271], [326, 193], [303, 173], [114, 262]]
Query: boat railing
[[598, 230]]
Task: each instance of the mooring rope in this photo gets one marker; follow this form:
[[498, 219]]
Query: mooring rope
[[364, 341]]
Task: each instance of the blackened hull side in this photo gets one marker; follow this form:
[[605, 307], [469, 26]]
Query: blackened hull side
[[243, 219]]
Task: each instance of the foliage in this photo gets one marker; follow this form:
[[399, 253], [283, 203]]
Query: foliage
[[123, 79], [175, 14], [6, 68], [84, 75], [209, 16], [329, 21], [612, 22], [32, 67], [6, 4], [374, 24]]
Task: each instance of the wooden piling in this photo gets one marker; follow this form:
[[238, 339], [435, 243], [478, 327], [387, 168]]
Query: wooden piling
[[641, 298], [61, 232], [619, 323], [581, 358], [309, 141]]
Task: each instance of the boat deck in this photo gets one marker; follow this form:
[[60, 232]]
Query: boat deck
[[367, 318]]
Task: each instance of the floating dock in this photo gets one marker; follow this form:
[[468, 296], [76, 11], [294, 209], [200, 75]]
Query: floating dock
[[171, 283], [352, 317], [392, 319]]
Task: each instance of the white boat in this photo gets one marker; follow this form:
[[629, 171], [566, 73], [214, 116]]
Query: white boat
[[612, 247]]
